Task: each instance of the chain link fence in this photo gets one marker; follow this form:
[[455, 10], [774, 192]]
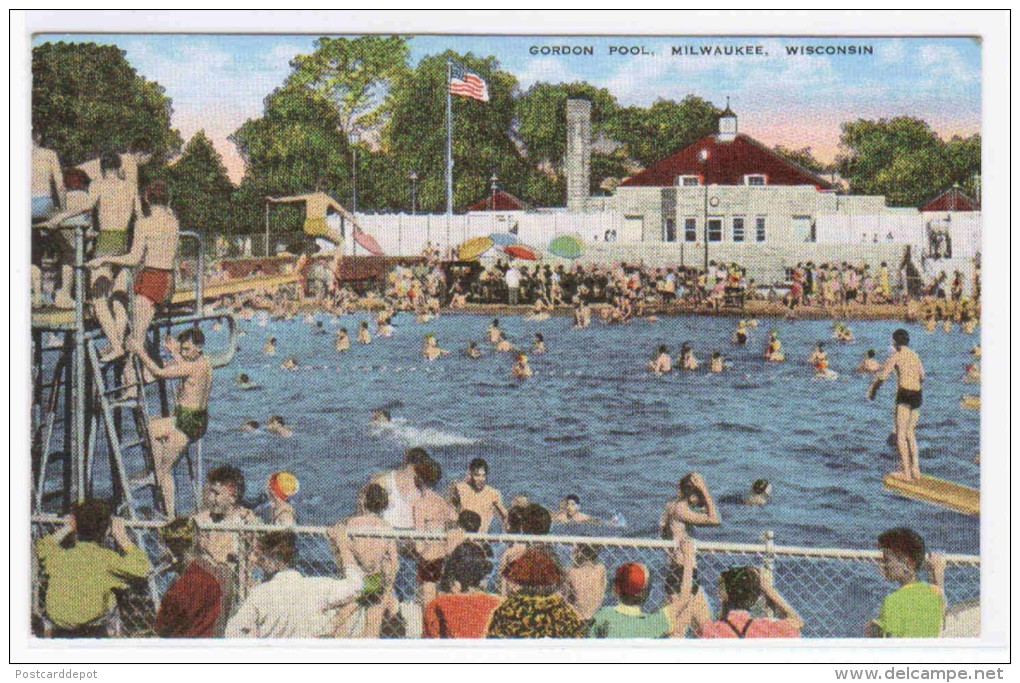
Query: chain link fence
[[835, 591]]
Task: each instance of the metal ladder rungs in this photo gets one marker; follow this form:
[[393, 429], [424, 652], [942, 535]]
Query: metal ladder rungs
[[125, 403], [123, 387], [132, 444]]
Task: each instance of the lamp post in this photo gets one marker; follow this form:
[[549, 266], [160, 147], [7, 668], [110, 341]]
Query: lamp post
[[492, 200], [706, 234], [354, 171], [413, 177]]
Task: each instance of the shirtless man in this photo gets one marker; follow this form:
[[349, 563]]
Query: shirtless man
[[520, 368], [662, 364], [319, 211], [115, 199], [224, 490], [570, 512], [585, 584], [374, 556], [472, 350], [494, 333], [153, 251], [170, 436], [48, 195], [430, 513], [909, 376], [474, 493], [503, 344]]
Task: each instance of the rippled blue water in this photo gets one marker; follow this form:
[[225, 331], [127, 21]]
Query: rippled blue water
[[593, 422]]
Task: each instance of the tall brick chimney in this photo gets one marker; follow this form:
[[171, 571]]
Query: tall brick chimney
[[577, 164]]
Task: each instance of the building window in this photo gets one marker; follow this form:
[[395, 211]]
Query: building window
[[738, 228], [759, 228], [688, 180], [670, 230], [715, 230], [755, 179], [690, 229]]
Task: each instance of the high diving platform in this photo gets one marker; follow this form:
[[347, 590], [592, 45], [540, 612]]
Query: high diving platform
[[937, 491]]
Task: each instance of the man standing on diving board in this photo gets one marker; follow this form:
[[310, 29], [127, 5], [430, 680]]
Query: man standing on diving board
[[909, 376]]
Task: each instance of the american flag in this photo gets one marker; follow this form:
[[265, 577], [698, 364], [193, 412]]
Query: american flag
[[467, 84]]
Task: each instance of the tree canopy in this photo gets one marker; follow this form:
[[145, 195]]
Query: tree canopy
[[905, 160], [200, 189], [87, 99], [653, 133]]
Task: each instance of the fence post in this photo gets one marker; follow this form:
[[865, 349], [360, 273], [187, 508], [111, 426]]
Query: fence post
[[769, 560]]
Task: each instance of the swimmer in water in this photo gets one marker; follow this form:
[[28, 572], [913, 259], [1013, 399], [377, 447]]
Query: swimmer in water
[[289, 364], [381, 416], [430, 348], [821, 362], [520, 369], [752, 323], [817, 354], [570, 512], [538, 345], [342, 342], [868, 364], [277, 425], [774, 349], [472, 350], [686, 359], [540, 311], [503, 345], [716, 364], [976, 351], [244, 382], [250, 426], [363, 336], [973, 372], [662, 363], [319, 327], [494, 333], [740, 334], [269, 349], [842, 333], [761, 489], [383, 326]]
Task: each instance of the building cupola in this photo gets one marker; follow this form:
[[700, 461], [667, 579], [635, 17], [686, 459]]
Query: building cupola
[[727, 124]]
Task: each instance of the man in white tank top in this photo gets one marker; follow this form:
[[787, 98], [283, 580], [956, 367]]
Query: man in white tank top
[[400, 488]]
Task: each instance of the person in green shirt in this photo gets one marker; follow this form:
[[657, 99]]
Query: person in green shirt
[[916, 609], [82, 577]]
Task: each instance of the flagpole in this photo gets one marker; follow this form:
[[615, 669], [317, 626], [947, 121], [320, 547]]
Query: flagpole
[[449, 150]]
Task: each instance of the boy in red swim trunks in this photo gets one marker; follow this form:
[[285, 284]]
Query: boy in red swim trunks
[[153, 251]]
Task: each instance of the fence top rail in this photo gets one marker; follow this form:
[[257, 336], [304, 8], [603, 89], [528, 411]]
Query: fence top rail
[[652, 543]]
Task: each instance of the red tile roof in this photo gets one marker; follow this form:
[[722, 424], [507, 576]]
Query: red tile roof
[[502, 201], [727, 164], [952, 199]]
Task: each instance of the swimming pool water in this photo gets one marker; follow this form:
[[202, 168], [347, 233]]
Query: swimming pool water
[[593, 422]]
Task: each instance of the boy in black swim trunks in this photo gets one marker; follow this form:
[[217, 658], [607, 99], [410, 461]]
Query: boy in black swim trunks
[[909, 376], [170, 436]]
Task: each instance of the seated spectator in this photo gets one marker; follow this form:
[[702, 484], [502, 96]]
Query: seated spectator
[[289, 605], [915, 609], [83, 575], [527, 518], [192, 606], [535, 609], [463, 608], [739, 590], [632, 584]]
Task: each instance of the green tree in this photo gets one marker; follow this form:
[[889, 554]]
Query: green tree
[[87, 99], [200, 189], [296, 146], [803, 158], [653, 133], [964, 157], [901, 158], [414, 138], [354, 75]]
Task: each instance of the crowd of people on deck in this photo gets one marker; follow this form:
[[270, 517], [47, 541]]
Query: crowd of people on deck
[[226, 585]]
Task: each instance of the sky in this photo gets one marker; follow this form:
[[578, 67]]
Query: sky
[[216, 82]]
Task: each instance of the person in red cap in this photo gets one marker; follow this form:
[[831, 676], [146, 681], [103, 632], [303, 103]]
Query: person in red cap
[[632, 584], [536, 609]]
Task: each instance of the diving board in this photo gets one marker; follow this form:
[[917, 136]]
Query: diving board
[[938, 492]]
